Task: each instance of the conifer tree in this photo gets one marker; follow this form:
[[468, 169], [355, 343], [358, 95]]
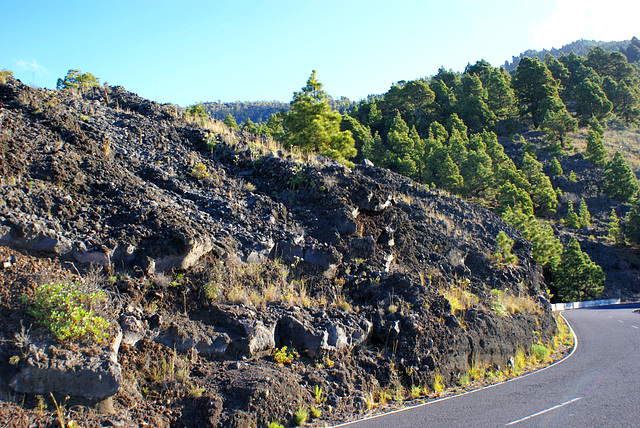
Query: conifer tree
[[620, 182], [577, 278], [504, 244], [632, 223], [249, 126], [556, 168], [591, 101], [572, 220], [583, 214], [614, 232], [449, 177], [543, 196], [547, 249], [514, 198], [312, 125], [230, 122]]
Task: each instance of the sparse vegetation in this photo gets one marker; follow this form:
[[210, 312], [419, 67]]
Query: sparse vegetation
[[68, 310], [284, 356]]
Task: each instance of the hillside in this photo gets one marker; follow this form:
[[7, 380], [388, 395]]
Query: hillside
[[210, 255], [579, 47]]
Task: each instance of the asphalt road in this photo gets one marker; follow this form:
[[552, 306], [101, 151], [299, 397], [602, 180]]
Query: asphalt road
[[598, 385]]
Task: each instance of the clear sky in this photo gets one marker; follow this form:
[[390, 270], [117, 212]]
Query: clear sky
[[185, 52]]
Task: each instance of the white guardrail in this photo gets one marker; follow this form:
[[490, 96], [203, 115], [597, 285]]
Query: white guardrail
[[586, 304]]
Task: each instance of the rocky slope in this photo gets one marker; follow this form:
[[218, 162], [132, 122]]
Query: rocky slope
[[216, 250]]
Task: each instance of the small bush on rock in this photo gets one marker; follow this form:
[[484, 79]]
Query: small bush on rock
[[68, 311]]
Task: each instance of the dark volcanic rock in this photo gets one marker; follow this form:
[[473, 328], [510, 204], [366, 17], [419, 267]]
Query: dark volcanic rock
[[208, 273]]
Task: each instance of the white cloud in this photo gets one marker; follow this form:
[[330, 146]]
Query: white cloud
[[571, 20], [31, 65]]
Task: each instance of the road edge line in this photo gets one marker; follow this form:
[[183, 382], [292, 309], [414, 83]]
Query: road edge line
[[575, 346]]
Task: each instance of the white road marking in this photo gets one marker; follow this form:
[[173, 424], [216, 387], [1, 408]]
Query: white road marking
[[633, 326], [543, 411], [621, 321], [610, 316]]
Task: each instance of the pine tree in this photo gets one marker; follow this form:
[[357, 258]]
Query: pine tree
[[577, 278], [583, 214], [632, 223], [596, 153], [591, 101], [556, 168], [543, 196], [313, 126], [614, 232], [620, 182], [449, 177], [504, 244], [547, 249], [249, 126], [572, 220], [511, 197], [230, 122]]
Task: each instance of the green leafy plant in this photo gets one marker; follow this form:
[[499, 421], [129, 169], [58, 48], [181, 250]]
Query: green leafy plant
[[283, 356], [68, 311], [438, 383], [199, 171], [319, 396], [275, 424], [540, 352], [315, 412], [301, 415]]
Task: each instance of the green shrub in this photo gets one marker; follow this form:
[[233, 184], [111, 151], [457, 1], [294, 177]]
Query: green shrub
[[4, 73], [282, 356], [301, 415], [68, 311]]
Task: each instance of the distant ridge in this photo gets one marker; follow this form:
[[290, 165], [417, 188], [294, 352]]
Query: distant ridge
[[579, 47]]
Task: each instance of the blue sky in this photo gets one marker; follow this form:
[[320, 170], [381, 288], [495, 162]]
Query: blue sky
[[191, 51]]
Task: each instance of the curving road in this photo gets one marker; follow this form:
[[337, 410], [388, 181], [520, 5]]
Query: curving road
[[598, 385]]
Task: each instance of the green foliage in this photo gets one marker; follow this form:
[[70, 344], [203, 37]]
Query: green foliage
[[528, 147], [4, 74], [556, 125], [196, 111], [504, 244], [283, 356], [632, 223], [67, 309], [301, 415], [591, 101], [595, 152], [540, 352], [199, 171], [249, 126], [556, 168], [313, 126], [543, 196], [614, 232], [536, 90], [577, 278], [584, 215], [231, 122], [547, 249], [75, 79], [275, 424], [319, 396], [511, 197], [572, 220], [497, 304], [620, 182]]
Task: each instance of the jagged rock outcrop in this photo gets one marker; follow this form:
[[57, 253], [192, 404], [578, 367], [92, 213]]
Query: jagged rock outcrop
[[352, 263]]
